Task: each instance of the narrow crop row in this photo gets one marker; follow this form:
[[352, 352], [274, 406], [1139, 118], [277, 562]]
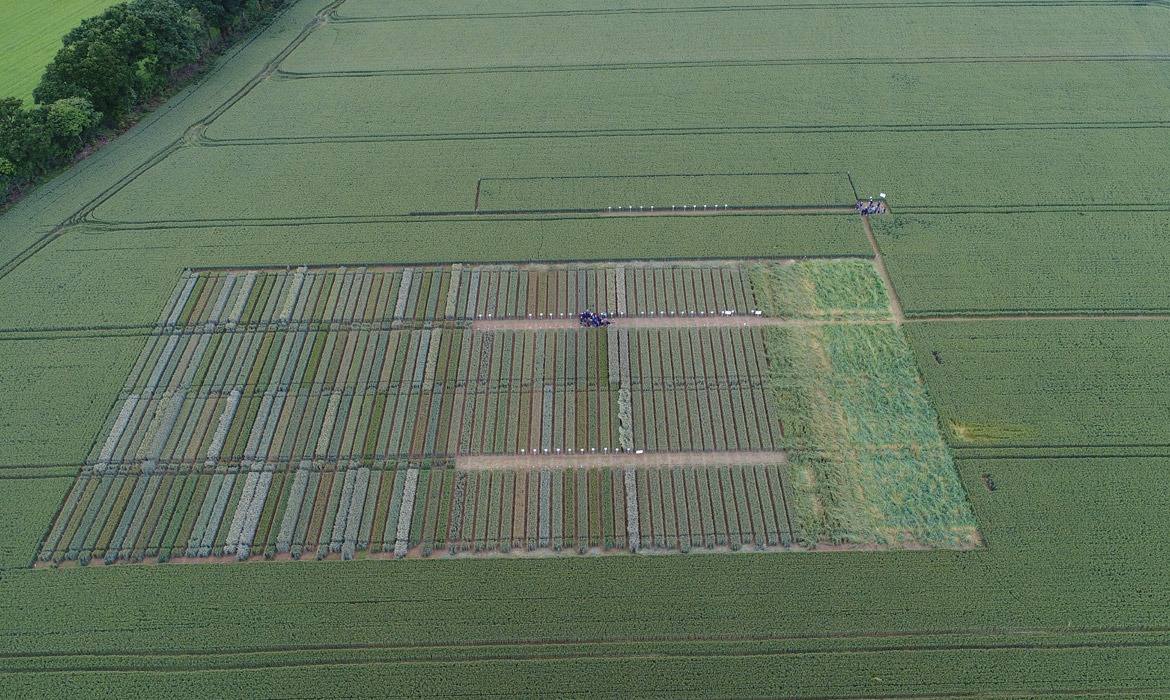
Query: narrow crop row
[[699, 389], [633, 289], [276, 397], [323, 509], [394, 297]]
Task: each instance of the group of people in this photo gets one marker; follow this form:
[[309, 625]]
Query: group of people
[[592, 320], [871, 208]]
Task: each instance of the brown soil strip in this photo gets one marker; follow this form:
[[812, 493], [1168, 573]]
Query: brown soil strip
[[763, 321], [621, 459], [669, 322], [660, 322], [641, 212]]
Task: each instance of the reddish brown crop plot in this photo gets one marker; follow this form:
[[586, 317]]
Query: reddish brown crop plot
[[341, 410]]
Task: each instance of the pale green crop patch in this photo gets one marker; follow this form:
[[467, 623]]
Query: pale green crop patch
[[868, 462]]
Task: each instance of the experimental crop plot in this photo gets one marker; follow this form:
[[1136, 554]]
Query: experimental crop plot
[[445, 409]]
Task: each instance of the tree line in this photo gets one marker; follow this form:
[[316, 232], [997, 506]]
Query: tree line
[[106, 66]]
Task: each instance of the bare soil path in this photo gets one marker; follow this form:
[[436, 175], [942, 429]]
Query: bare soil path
[[880, 263], [667, 322], [621, 459], [710, 210]]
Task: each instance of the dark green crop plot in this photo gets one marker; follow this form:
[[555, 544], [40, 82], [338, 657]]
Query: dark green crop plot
[[56, 393], [1047, 262], [1055, 384], [28, 495]]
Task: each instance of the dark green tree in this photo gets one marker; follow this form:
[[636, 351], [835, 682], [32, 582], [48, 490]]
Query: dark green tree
[[100, 61], [219, 14], [105, 66], [25, 142], [176, 38], [71, 121]]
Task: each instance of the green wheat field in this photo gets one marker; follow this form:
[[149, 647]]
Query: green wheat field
[[293, 402], [30, 33]]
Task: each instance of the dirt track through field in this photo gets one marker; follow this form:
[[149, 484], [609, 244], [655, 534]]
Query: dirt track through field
[[644, 211], [622, 459], [49, 333], [667, 322], [879, 262]]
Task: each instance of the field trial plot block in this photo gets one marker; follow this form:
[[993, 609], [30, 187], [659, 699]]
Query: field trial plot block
[[321, 375]]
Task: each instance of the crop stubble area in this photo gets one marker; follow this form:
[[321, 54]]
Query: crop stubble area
[[1022, 148]]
